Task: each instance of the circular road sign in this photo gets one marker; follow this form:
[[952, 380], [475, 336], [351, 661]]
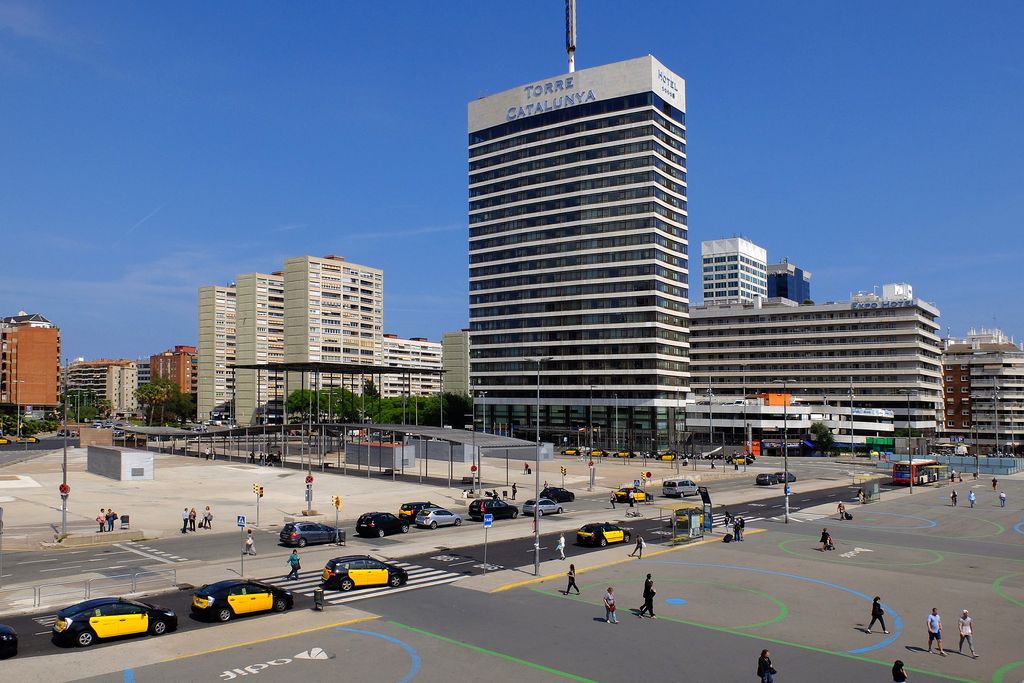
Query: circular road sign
[[472, 468], [309, 478], [590, 464], [64, 489]]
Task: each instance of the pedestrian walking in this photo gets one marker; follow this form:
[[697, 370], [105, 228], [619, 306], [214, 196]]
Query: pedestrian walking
[[639, 547], [184, 521], [561, 546], [995, 482], [970, 498], [192, 519], [952, 498], [612, 499], [737, 530], [293, 562], [111, 517], [571, 575], [526, 468], [765, 671], [860, 496], [649, 594], [1002, 499], [825, 540], [899, 674], [935, 630], [728, 519], [610, 616], [842, 510], [743, 526], [952, 476], [101, 519], [208, 517], [877, 614], [966, 625], [632, 498], [515, 490], [250, 544]]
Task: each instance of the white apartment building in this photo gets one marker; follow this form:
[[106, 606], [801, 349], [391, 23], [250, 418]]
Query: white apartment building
[[217, 348], [259, 323], [109, 380], [455, 361], [411, 353], [334, 311], [983, 378], [733, 270], [884, 349], [578, 250]]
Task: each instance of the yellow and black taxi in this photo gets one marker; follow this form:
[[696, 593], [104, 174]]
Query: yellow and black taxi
[[571, 451], [359, 571], [83, 623], [625, 454], [28, 439], [601, 534], [4, 440], [667, 455], [599, 453], [639, 495], [408, 511], [227, 599]]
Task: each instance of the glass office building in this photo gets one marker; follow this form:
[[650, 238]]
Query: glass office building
[[578, 255]]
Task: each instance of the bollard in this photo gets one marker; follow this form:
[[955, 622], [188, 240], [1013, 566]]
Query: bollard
[[318, 598]]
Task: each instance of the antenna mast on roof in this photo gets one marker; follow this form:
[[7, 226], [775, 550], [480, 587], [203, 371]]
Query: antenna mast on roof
[[570, 33]]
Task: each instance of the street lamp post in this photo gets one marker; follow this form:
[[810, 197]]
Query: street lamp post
[[536, 472], [64, 466], [711, 419], [785, 442]]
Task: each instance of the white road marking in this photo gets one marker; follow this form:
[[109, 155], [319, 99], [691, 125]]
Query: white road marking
[[144, 554]]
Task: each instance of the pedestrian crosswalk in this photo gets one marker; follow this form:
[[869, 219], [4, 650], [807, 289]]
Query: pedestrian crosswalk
[[719, 519], [419, 577]]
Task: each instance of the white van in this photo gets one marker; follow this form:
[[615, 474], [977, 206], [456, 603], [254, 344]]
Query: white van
[[679, 488]]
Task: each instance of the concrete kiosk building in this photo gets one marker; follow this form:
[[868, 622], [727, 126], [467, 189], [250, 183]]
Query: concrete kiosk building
[[578, 253]]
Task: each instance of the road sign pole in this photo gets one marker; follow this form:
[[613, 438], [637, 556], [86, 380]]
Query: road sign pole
[[241, 545], [335, 525], [486, 529], [257, 509], [1, 547]]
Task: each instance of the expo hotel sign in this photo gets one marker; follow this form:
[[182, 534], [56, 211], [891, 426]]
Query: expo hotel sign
[[857, 305], [549, 96]]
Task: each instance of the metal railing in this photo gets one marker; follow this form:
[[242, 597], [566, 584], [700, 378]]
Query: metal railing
[[84, 589]]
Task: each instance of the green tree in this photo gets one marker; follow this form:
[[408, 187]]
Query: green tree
[[821, 433]]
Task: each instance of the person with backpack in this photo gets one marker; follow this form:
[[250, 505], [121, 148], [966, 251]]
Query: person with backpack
[[877, 614]]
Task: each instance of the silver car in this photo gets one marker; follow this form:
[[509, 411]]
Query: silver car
[[545, 506], [435, 517]]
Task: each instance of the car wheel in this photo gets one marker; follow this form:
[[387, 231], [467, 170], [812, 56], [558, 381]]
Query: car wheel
[[433, 525], [458, 522], [405, 528], [559, 511], [395, 580], [380, 533], [346, 585], [572, 497], [302, 543], [515, 513], [158, 627], [85, 638], [224, 614], [603, 542], [626, 537], [280, 605]]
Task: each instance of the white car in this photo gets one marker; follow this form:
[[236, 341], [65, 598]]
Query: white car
[[679, 487], [435, 517], [545, 506]]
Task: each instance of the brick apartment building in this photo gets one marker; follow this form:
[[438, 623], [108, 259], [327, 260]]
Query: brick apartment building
[[180, 365], [29, 361]]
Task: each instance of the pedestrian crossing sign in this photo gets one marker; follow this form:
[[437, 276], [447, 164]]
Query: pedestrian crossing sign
[[240, 520]]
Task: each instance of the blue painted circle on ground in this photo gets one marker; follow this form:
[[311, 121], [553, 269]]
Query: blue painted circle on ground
[[675, 601]]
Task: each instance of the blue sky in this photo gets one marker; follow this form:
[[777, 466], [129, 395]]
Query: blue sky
[[151, 148]]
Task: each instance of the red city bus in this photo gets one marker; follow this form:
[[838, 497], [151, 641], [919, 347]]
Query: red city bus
[[923, 470]]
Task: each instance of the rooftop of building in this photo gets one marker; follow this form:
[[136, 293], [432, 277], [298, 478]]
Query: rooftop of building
[[24, 318], [102, 362]]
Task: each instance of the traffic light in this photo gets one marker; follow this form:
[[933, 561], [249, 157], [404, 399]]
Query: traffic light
[[336, 501], [564, 470], [258, 489]]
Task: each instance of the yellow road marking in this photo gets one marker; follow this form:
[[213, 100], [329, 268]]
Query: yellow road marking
[[656, 553], [268, 639]]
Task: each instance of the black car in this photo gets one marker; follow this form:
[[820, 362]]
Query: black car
[[227, 599], [380, 524], [601, 534], [782, 476], [8, 642], [492, 506], [304, 533], [359, 571], [83, 623], [559, 495], [766, 479]]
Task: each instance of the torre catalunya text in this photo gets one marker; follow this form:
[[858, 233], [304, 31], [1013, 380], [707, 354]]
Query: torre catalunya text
[[549, 88]]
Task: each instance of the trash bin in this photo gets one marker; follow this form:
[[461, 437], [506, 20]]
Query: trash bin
[[124, 521], [318, 598]]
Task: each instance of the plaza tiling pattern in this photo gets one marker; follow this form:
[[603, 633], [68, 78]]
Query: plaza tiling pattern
[[419, 577]]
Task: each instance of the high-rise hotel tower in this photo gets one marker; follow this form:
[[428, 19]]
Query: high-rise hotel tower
[[578, 256]]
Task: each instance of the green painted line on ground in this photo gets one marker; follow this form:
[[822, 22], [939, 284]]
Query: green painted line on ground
[[997, 586], [494, 653], [867, 563], [801, 646], [1001, 672]]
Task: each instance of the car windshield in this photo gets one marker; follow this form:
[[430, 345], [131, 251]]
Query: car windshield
[[590, 527]]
